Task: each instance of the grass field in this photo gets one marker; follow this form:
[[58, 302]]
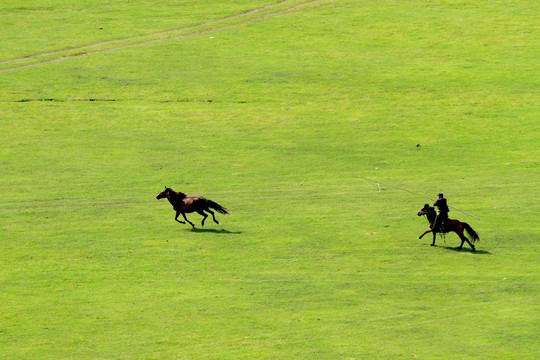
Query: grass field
[[276, 110]]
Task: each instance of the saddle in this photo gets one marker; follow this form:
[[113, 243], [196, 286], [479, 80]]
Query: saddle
[[441, 227]]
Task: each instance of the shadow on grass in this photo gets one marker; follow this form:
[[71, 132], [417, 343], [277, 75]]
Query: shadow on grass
[[214, 231], [465, 249]]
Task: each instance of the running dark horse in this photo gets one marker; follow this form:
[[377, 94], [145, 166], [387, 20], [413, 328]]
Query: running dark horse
[[183, 204], [450, 225]]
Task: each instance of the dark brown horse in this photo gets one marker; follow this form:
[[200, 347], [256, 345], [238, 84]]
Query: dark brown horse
[[183, 204], [450, 225]]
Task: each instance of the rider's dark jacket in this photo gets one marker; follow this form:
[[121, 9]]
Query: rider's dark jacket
[[442, 206]]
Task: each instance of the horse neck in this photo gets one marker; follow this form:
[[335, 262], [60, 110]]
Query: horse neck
[[174, 196], [430, 215], [180, 195]]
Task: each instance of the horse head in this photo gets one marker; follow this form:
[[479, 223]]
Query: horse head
[[424, 210], [164, 193]]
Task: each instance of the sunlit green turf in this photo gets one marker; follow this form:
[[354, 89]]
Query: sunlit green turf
[[277, 111]]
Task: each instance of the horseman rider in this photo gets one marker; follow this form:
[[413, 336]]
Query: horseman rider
[[443, 213]]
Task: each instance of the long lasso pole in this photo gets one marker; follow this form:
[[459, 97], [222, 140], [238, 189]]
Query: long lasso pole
[[414, 193]]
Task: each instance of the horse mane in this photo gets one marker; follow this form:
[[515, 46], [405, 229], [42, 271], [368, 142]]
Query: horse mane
[[429, 211], [177, 193]]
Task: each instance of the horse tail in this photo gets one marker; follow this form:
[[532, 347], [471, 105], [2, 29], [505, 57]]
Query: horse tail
[[214, 205], [471, 232]]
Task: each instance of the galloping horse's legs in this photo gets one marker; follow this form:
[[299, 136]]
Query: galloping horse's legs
[[201, 212], [425, 232], [190, 223], [211, 212], [176, 218], [463, 239]]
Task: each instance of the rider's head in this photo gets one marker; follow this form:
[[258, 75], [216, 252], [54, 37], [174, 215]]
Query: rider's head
[[440, 195]]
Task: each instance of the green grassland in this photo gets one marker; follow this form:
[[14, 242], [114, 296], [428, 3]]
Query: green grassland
[[276, 110]]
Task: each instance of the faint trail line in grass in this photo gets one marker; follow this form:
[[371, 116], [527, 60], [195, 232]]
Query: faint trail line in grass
[[65, 203], [105, 42], [160, 36], [277, 193]]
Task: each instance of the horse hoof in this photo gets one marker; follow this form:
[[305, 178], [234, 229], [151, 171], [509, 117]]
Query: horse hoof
[[432, 245]]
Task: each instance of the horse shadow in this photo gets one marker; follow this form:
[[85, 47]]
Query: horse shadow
[[213, 231], [464, 249]]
